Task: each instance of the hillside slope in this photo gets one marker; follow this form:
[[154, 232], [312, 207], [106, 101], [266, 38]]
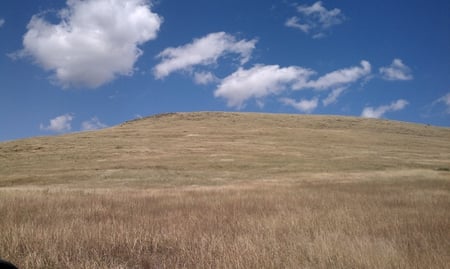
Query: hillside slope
[[229, 190], [218, 148]]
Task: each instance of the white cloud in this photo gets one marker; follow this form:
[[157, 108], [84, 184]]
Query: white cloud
[[259, 82], [303, 105], [92, 124], [445, 100], [203, 78], [203, 51], [95, 40], [264, 80], [315, 19], [338, 78], [370, 112], [60, 124], [294, 23], [2, 22], [396, 71], [333, 96]]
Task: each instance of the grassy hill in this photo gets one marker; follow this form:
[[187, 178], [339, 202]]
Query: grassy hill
[[229, 190], [218, 148]]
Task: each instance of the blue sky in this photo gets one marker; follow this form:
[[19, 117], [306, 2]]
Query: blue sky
[[68, 66]]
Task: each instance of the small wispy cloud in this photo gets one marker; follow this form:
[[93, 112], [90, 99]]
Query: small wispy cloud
[[60, 124], [202, 51], [315, 19], [2, 22], [303, 105], [293, 22], [339, 78], [378, 112], [396, 71], [204, 78], [92, 124], [333, 96], [445, 100]]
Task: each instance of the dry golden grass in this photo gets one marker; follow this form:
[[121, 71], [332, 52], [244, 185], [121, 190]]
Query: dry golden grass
[[219, 148], [215, 190], [376, 224]]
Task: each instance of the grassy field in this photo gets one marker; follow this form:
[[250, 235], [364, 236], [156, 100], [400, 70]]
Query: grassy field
[[229, 190]]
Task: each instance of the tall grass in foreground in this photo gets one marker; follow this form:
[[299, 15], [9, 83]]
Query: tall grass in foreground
[[397, 224]]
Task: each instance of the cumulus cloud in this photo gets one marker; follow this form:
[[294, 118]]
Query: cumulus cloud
[[60, 124], [315, 19], [339, 77], [2, 22], [396, 71], [333, 96], [94, 41], [92, 124], [203, 51], [263, 80], [303, 105], [204, 78], [259, 82], [370, 112]]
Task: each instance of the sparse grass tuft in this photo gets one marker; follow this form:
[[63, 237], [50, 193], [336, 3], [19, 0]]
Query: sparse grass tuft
[[447, 169]]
